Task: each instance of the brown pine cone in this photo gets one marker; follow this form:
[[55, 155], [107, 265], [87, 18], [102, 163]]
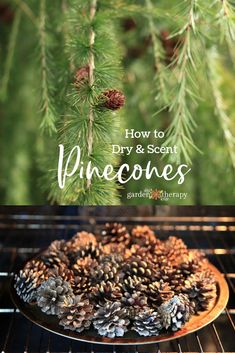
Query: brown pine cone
[[115, 233], [79, 240], [175, 249], [65, 273], [159, 292], [171, 275], [134, 302], [106, 292], [191, 263], [90, 250], [136, 266], [201, 289], [81, 76], [133, 283], [143, 236], [29, 279], [112, 99], [54, 258]]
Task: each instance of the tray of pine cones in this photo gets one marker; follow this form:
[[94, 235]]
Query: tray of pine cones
[[120, 287]]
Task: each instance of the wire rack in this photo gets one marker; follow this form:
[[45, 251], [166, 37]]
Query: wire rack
[[22, 235]]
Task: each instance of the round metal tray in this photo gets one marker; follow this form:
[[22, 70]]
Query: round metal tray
[[51, 323]]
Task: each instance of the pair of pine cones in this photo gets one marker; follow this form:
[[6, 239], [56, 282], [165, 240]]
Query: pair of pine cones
[[118, 281]]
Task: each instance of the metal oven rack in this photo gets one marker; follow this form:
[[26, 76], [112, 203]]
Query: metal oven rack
[[23, 234]]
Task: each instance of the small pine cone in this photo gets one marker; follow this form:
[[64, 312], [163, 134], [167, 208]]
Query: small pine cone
[[80, 240], [105, 271], [112, 99], [111, 320], [133, 283], [81, 76], [65, 273], [56, 246], [29, 279], [171, 275], [90, 250], [136, 266], [115, 233], [175, 312], [159, 253], [143, 236], [78, 316], [54, 258], [175, 249], [134, 302], [82, 284], [54, 295], [114, 248], [191, 263], [106, 292], [159, 292], [83, 266], [201, 289], [147, 322]]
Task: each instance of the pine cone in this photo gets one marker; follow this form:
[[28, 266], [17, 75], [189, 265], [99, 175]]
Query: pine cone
[[82, 285], [78, 316], [136, 266], [132, 283], [54, 295], [111, 320], [134, 302], [90, 250], [106, 271], [84, 266], [191, 263], [147, 322], [115, 233], [56, 246], [112, 99], [175, 249], [81, 76], [201, 289], [175, 312], [106, 292], [159, 292], [29, 279], [80, 240], [65, 273], [172, 276], [54, 258], [143, 236]]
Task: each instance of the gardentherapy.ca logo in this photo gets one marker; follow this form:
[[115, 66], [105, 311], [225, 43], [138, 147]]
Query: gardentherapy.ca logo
[[156, 194]]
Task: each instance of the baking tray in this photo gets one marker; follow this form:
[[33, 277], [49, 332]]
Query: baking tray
[[51, 323]]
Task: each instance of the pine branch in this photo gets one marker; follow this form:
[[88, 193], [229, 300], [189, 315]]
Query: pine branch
[[220, 105], [162, 96], [48, 121], [10, 56], [182, 126], [91, 66], [226, 19]]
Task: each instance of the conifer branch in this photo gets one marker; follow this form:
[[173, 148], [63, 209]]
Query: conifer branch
[[10, 55], [48, 121], [91, 66], [220, 105], [160, 76], [180, 130], [225, 19]]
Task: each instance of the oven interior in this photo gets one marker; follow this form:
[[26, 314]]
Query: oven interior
[[23, 232]]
